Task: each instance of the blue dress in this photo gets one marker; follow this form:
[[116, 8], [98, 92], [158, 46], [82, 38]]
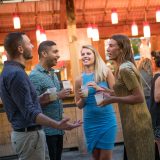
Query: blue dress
[[100, 126]]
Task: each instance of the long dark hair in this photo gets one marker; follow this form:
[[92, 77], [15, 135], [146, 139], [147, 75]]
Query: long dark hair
[[125, 48]]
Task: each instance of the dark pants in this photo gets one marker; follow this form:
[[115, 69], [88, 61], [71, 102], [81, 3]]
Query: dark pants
[[55, 146], [125, 154], [157, 157]]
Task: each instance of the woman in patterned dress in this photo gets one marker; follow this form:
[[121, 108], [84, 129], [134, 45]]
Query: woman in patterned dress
[[135, 117]]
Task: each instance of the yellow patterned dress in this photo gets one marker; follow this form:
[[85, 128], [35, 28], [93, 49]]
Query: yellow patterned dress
[[136, 119]]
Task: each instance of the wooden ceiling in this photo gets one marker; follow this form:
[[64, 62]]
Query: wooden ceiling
[[51, 14]]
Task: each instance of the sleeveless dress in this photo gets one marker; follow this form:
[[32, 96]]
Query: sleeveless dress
[[135, 118], [100, 126], [155, 109]]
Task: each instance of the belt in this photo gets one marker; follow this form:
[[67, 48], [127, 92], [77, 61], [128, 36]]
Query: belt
[[29, 129]]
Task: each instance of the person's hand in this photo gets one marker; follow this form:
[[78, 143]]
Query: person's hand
[[95, 86], [107, 99], [110, 91], [64, 124], [81, 94], [44, 98], [64, 93]]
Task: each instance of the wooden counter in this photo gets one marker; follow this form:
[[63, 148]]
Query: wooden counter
[[72, 139]]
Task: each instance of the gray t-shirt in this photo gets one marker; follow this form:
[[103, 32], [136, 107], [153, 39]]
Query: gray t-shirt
[[146, 78]]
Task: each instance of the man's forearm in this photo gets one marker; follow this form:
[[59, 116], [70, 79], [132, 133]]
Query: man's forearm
[[46, 121]]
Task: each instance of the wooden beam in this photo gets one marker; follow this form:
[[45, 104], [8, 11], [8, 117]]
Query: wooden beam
[[105, 7], [70, 12], [83, 7], [75, 67], [128, 9], [30, 13], [52, 2], [62, 13]]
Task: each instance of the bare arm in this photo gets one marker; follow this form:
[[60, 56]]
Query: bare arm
[[111, 83], [134, 98], [78, 99], [136, 94], [157, 90]]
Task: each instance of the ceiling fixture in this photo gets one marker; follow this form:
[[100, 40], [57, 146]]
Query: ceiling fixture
[[95, 33], [134, 29], [114, 16], [43, 36], [16, 21], [38, 33], [15, 1], [1, 49], [146, 29], [89, 31], [158, 15]]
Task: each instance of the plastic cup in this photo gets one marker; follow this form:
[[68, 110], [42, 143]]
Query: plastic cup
[[99, 98], [52, 93], [84, 91], [66, 84]]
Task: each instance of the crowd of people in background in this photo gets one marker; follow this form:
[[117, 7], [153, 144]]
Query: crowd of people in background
[[34, 108]]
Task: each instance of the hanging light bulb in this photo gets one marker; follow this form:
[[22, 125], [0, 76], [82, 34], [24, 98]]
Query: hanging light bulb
[[4, 57], [134, 29], [43, 36], [1, 49], [38, 33], [89, 31], [95, 33], [114, 16], [16, 22], [158, 15], [146, 29]]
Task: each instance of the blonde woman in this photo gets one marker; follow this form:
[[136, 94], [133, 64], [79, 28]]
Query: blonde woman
[[100, 124], [145, 68]]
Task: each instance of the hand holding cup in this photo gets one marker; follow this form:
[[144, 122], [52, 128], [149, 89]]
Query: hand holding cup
[[84, 91], [52, 93], [99, 98]]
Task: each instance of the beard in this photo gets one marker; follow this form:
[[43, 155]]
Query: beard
[[27, 55]]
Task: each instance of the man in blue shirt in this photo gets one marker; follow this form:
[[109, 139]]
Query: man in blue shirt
[[21, 103], [43, 78]]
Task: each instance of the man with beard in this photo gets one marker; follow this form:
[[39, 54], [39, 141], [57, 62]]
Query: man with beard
[[44, 79], [21, 103]]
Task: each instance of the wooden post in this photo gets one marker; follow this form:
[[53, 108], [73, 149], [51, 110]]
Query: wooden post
[[75, 67]]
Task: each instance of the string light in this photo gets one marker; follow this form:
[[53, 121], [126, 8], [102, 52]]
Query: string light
[[114, 16], [95, 33], [146, 29], [38, 33], [158, 15], [16, 21], [89, 31], [43, 36], [134, 29]]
